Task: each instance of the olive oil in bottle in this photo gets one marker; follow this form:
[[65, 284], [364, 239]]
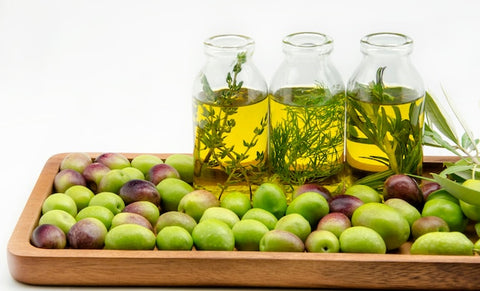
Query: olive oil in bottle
[[231, 143], [230, 119], [307, 116], [307, 136], [385, 110], [385, 136]]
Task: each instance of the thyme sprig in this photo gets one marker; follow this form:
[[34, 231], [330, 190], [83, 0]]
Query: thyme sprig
[[218, 122], [216, 126]]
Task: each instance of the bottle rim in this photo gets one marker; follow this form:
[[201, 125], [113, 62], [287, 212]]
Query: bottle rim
[[386, 41], [308, 42], [229, 43]]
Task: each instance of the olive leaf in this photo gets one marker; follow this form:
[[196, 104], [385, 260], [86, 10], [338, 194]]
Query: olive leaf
[[457, 190], [436, 118], [468, 167], [455, 169], [468, 133], [468, 142], [466, 146], [434, 139], [461, 170]]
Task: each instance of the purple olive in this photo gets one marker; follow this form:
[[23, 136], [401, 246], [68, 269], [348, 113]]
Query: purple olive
[[429, 188], [76, 161], [94, 173], [48, 236], [67, 178], [161, 171], [139, 190], [87, 233], [113, 160], [403, 187], [345, 204]]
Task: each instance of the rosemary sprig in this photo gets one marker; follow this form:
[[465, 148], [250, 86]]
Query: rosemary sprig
[[399, 138], [376, 89], [306, 144], [439, 132]]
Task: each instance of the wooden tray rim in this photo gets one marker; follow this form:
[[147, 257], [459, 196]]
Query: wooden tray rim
[[20, 251]]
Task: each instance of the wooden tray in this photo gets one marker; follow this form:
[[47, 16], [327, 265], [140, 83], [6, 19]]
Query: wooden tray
[[32, 265]]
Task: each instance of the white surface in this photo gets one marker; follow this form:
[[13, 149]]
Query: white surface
[[116, 75]]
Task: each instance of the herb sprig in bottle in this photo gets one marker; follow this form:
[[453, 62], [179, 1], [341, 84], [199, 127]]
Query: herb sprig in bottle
[[385, 109], [307, 109], [230, 118]]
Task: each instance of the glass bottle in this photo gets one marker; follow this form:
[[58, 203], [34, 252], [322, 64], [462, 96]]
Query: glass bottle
[[385, 108], [230, 118], [307, 115]]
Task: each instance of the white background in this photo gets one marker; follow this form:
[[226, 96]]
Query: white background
[[117, 75]]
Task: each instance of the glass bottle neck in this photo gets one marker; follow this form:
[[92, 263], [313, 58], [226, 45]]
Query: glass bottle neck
[[385, 59], [229, 46], [386, 44], [307, 44]]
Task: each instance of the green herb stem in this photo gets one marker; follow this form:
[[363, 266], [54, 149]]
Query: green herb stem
[[216, 124], [304, 142], [398, 137]]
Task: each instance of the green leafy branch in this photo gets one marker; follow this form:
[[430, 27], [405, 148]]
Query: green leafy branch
[[466, 146]]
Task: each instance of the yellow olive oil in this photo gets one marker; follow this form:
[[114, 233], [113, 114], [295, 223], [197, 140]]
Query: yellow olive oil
[[307, 137], [231, 142], [387, 135]]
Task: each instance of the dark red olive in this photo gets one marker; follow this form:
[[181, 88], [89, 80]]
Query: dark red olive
[[345, 204], [403, 187], [429, 188]]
